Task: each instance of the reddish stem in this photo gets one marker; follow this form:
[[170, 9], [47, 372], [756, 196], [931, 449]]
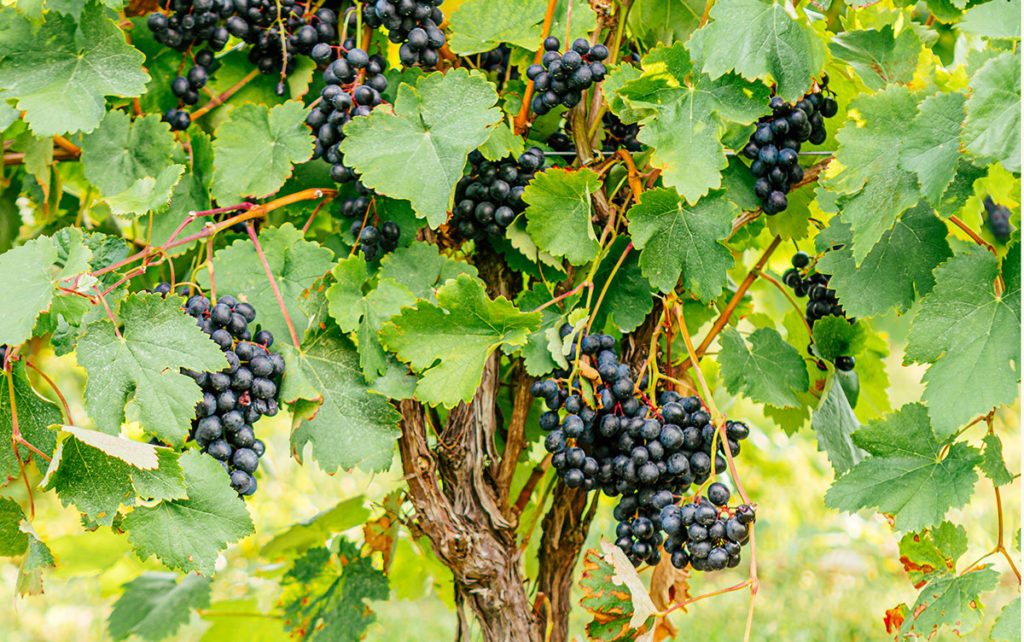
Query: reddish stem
[[273, 283], [63, 401], [575, 290]]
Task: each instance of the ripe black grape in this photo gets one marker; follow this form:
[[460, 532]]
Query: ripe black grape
[[998, 218], [490, 197], [561, 79], [413, 23], [822, 300], [647, 455]]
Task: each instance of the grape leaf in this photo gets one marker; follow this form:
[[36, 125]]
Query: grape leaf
[[559, 211], [256, 148], [119, 152], [60, 72], [431, 132], [994, 20], [35, 416], [502, 142], [676, 238], [896, 271], [30, 273], [191, 194], [878, 55], [188, 534], [627, 299], [932, 553], [39, 557], [13, 541], [141, 366], [833, 422], [153, 606], [423, 269], [873, 189], [537, 356], [769, 370], [449, 343], [97, 472], [657, 21], [907, 474], [992, 129], [316, 530], [326, 594], [1007, 626], [614, 595], [345, 424], [685, 115], [971, 336], [147, 193], [992, 464], [772, 46], [932, 146], [950, 600], [295, 264], [481, 25]]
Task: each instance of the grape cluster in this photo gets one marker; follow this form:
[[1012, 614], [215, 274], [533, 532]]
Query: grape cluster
[[561, 79], [234, 398], [374, 238], [414, 23], [490, 197], [277, 30], [777, 139], [618, 135], [822, 300], [998, 217], [187, 87], [353, 86], [647, 455], [496, 61], [705, 533]]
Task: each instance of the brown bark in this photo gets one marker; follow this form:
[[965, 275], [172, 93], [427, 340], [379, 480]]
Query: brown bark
[[458, 509]]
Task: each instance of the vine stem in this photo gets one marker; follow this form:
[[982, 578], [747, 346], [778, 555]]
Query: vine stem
[[63, 401], [604, 289], [250, 228], [723, 318], [309, 221], [789, 297], [110, 315], [633, 176], [531, 484], [1000, 285], [675, 607], [16, 434], [524, 110], [575, 290], [67, 146], [227, 93]]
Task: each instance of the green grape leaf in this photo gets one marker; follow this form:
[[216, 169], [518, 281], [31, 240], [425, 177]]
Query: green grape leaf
[[679, 239], [316, 530], [658, 21], [686, 115], [256, 149], [833, 422], [431, 132], [345, 424], [324, 594], [119, 152], [971, 336], [423, 269], [140, 367], [537, 357], [896, 271], [60, 72], [950, 600], [35, 416], [992, 129], [559, 211], [627, 299], [191, 194], [873, 189], [188, 534], [907, 475], [772, 46], [481, 25], [932, 146], [154, 606], [13, 541], [1007, 626], [30, 272], [295, 263], [764, 368], [995, 20], [38, 155], [39, 557], [147, 193], [878, 55], [993, 465], [449, 343], [502, 142]]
